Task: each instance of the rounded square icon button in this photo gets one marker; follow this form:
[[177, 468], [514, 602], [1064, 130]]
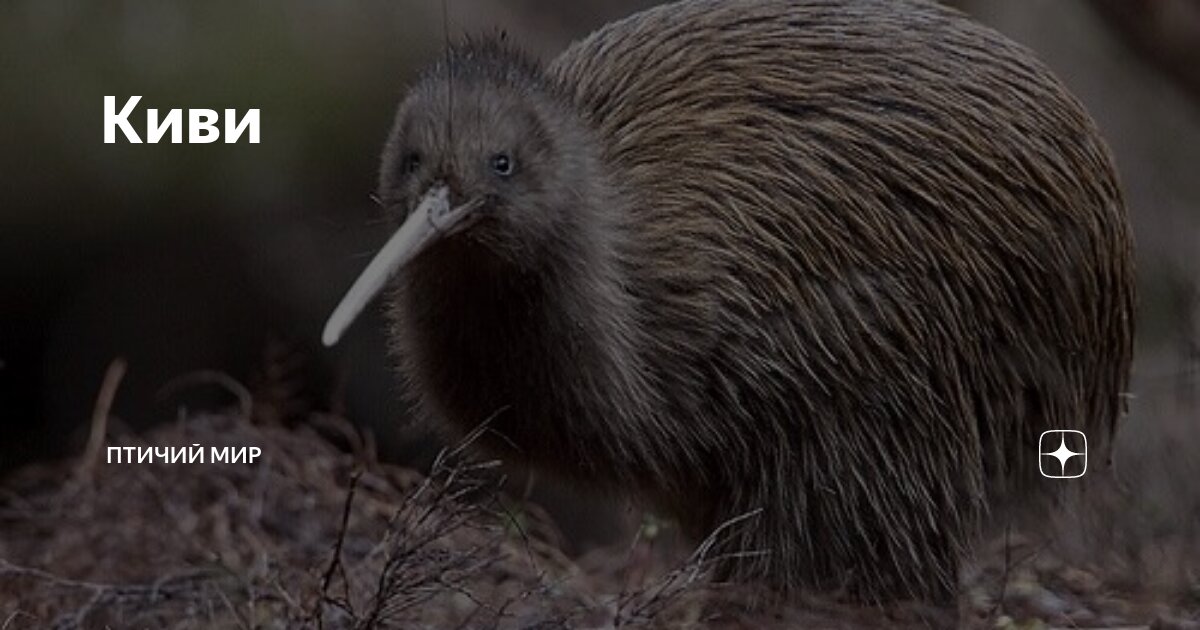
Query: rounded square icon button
[[1062, 454]]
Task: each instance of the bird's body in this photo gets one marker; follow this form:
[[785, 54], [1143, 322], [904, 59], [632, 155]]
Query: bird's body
[[838, 261]]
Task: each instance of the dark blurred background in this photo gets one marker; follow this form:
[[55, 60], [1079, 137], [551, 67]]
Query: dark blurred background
[[222, 257], [188, 257]]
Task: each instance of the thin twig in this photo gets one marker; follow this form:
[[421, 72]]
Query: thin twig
[[336, 560], [100, 412], [212, 377]]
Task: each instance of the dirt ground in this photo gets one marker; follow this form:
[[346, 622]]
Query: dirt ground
[[317, 534]]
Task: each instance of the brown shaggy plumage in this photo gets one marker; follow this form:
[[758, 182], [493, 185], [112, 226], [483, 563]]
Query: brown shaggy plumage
[[842, 261]]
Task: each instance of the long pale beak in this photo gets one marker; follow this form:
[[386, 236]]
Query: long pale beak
[[433, 217]]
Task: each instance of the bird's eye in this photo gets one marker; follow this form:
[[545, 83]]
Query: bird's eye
[[411, 162], [503, 164]]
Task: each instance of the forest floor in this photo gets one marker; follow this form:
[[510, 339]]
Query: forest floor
[[314, 535]]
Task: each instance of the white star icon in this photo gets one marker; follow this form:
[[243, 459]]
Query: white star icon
[[1063, 453]]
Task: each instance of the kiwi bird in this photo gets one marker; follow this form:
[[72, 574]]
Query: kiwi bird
[[833, 263]]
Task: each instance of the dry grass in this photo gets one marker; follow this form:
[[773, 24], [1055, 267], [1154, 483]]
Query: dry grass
[[309, 536], [312, 536], [290, 541]]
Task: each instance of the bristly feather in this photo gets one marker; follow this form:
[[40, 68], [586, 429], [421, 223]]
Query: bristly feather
[[488, 57]]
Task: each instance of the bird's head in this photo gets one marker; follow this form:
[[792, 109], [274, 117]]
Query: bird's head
[[486, 156]]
